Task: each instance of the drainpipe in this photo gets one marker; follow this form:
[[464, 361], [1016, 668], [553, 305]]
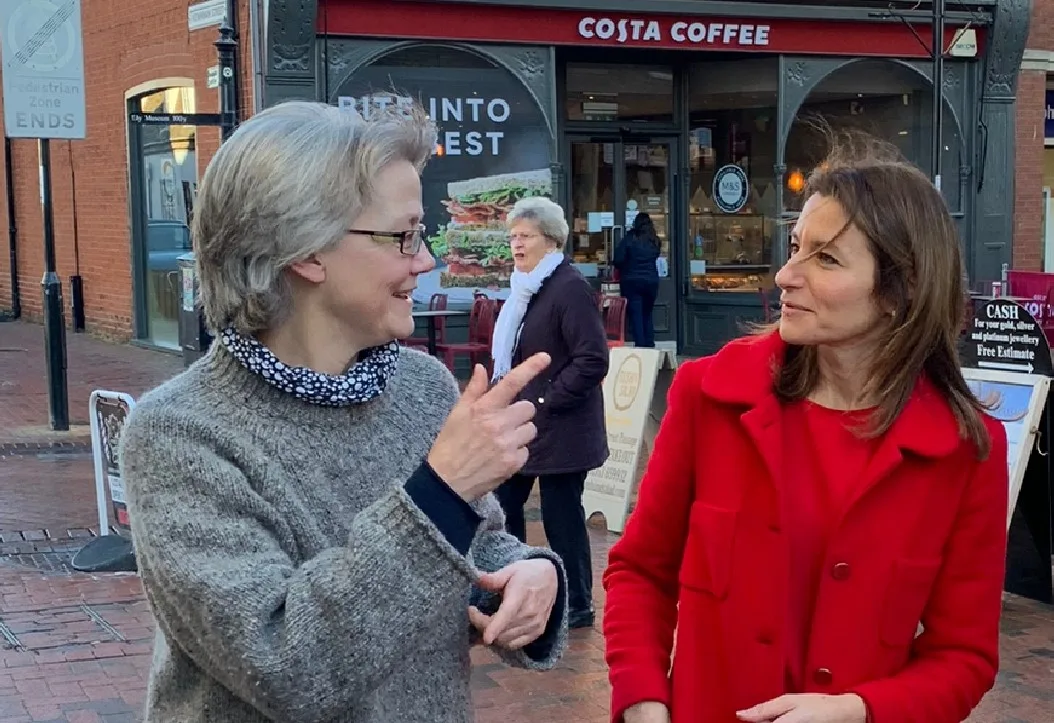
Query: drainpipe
[[256, 51], [12, 230]]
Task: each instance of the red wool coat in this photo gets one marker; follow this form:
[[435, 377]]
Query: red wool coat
[[704, 556]]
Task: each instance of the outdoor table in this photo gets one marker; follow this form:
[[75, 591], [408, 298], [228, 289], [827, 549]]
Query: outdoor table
[[431, 315]]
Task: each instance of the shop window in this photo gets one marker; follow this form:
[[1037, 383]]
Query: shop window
[[597, 92], [732, 204], [493, 149], [164, 182], [886, 100]]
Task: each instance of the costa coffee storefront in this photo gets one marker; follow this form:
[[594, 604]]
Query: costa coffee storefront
[[697, 118]]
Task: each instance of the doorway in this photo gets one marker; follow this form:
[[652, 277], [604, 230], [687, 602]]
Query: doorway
[[163, 181], [612, 179], [1048, 229]]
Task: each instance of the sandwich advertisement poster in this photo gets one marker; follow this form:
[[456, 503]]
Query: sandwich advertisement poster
[[493, 150]]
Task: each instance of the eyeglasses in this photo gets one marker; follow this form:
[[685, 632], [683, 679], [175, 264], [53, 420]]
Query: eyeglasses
[[409, 241]]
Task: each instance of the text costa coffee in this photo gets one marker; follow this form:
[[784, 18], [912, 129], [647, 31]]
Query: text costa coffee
[[699, 33]]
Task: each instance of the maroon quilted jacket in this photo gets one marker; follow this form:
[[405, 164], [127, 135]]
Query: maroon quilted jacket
[[564, 321]]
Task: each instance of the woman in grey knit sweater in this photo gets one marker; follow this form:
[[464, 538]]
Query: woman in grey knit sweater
[[310, 502]]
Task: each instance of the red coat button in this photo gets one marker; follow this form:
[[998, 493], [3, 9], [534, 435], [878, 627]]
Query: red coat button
[[841, 571], [822, 676]]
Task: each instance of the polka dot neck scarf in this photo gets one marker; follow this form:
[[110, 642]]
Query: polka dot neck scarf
[[364, 381]]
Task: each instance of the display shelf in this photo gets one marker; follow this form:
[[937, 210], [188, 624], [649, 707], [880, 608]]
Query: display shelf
[[730, 239]]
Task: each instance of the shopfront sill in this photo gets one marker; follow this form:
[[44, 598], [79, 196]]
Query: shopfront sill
[[151, 346], [725, 297]]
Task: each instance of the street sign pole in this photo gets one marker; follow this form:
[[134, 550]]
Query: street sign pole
[[43, 91], [54, 318]]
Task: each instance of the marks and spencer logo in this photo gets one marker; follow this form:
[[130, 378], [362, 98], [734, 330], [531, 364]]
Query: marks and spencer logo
[[731, 188]]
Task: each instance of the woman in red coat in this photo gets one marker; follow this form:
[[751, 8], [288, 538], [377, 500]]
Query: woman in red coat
[[821, 531]]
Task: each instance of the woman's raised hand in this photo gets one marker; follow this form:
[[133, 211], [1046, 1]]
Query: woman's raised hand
[[484, 440]]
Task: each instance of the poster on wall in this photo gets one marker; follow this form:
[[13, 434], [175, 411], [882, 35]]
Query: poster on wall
[[493, 150], [1016, 400]]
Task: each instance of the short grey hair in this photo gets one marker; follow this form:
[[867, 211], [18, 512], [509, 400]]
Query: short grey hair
[[288, 184], [549, 217]]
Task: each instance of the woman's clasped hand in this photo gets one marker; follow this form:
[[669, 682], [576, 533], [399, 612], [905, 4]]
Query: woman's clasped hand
[[528, 591], [803, 708], [808, 708], [485, 438], [647, 712]]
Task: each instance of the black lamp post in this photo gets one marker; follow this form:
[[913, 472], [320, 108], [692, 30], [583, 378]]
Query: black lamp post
[[937, 50], [225, 53]]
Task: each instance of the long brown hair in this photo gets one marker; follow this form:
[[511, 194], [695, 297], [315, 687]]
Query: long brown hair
[[918, 274]]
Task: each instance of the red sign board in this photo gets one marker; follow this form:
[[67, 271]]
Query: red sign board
[[552, 26]]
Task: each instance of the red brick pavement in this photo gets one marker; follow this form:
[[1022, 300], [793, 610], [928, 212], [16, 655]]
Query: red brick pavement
[[47, 491], [72, 648], [54, 489], [92, 364], [75, 648]]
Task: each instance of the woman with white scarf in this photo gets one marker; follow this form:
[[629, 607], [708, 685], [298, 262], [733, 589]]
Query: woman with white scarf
[[552, 308]]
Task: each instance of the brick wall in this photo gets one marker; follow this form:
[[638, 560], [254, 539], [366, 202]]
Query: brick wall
[[1041, 31], [1028, 171], [126, 45], [1028, 166]]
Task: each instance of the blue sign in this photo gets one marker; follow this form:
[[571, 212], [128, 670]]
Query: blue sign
[[1049, 115]]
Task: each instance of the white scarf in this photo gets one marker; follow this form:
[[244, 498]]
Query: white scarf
[[507, 328]]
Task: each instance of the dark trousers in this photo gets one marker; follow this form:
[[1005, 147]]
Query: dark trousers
[[640, 301], [564, 520]]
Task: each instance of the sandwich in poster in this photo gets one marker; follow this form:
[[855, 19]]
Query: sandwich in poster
[[474, 244]]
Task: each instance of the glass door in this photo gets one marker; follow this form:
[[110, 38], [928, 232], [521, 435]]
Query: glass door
[[612, 181], [596, 186], [163, 182], [649, 190]]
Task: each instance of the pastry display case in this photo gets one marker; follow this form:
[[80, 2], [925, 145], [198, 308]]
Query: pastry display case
[[730, 252]]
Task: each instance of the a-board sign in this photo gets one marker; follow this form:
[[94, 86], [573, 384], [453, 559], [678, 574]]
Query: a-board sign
[[1003, 336], [1016, 400], [108, 413], [628, 390]]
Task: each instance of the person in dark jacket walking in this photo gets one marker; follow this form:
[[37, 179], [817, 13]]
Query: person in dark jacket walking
[[552, 308], [639, 278]]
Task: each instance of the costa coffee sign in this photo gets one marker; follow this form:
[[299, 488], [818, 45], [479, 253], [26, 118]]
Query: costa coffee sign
[[477, 23], [620, 30]]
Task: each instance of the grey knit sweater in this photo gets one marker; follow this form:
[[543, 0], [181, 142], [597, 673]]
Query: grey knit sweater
[[292, 576]]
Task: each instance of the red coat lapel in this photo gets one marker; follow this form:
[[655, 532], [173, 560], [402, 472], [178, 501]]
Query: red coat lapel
[[741, 374]]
